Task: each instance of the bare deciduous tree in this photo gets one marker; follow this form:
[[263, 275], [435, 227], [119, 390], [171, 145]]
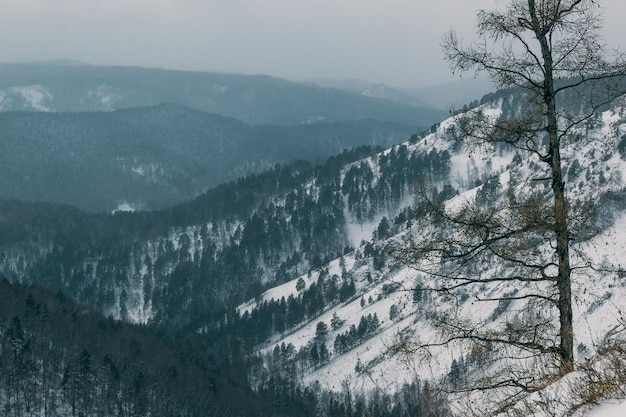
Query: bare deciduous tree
[[550, 52]]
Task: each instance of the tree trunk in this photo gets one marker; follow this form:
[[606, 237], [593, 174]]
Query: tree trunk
[[564, 283], [561, 228]]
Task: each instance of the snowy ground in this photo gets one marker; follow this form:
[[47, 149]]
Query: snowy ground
[[600, 291], [612, 408]]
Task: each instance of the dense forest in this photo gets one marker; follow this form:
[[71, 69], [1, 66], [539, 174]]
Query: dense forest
[[159, 156], [61, 359], [58, 358], [182, 271], [220, 249]]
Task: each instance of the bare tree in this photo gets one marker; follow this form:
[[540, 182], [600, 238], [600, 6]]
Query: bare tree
[[550, 53]]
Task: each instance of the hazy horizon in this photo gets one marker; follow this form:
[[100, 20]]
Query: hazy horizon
[[396, 43]]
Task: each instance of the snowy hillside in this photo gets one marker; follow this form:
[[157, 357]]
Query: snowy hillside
[[387, 291], [310, 271]]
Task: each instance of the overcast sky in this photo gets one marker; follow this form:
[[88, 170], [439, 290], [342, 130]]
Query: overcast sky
[[391, 41]]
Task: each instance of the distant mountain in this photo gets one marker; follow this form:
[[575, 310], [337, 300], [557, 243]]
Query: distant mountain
[[291, 266], [445, 97], [103, 138], [252, 99], [152, 157], [452, 96], [376, 90]]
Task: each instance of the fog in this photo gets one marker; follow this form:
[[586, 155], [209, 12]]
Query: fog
[[392, 41]]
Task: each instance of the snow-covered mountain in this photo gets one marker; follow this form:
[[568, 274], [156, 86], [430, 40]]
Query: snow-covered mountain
[[385, 92], [387, 291], [256, 100], [295, 263], [114, 138]]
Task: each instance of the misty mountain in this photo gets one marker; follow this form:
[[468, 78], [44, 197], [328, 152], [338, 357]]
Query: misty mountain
[[377, 90], [292, 265], [445, 97], [451, 96], [152, 157], [227, 243], [256, 100]]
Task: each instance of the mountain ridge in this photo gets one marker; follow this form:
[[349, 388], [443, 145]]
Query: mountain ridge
[[254, 99], [281, 252], [157, 161], [156, 156]]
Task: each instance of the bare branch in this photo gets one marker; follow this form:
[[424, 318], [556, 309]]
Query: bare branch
[[517, 243]]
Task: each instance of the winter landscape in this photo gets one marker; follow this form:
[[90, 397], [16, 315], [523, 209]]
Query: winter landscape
[[200, 243]]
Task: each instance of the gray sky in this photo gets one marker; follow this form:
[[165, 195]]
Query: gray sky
[[390, 41]]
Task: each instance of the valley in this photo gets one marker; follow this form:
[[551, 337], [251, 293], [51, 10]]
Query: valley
[[290, 285]]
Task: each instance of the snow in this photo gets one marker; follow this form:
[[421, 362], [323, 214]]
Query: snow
[[35, 95], [124, 207], [358, 232], [220, 88], [375, 91], [600, 292], [152, 172], [385, 370], [289, 288], [613, 408], [480, 165], [106, 96], [609, 119], [456, 204]]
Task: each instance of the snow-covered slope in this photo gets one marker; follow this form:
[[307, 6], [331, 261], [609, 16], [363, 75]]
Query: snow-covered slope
[[306, 251], [609, 409], [382, 358]]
